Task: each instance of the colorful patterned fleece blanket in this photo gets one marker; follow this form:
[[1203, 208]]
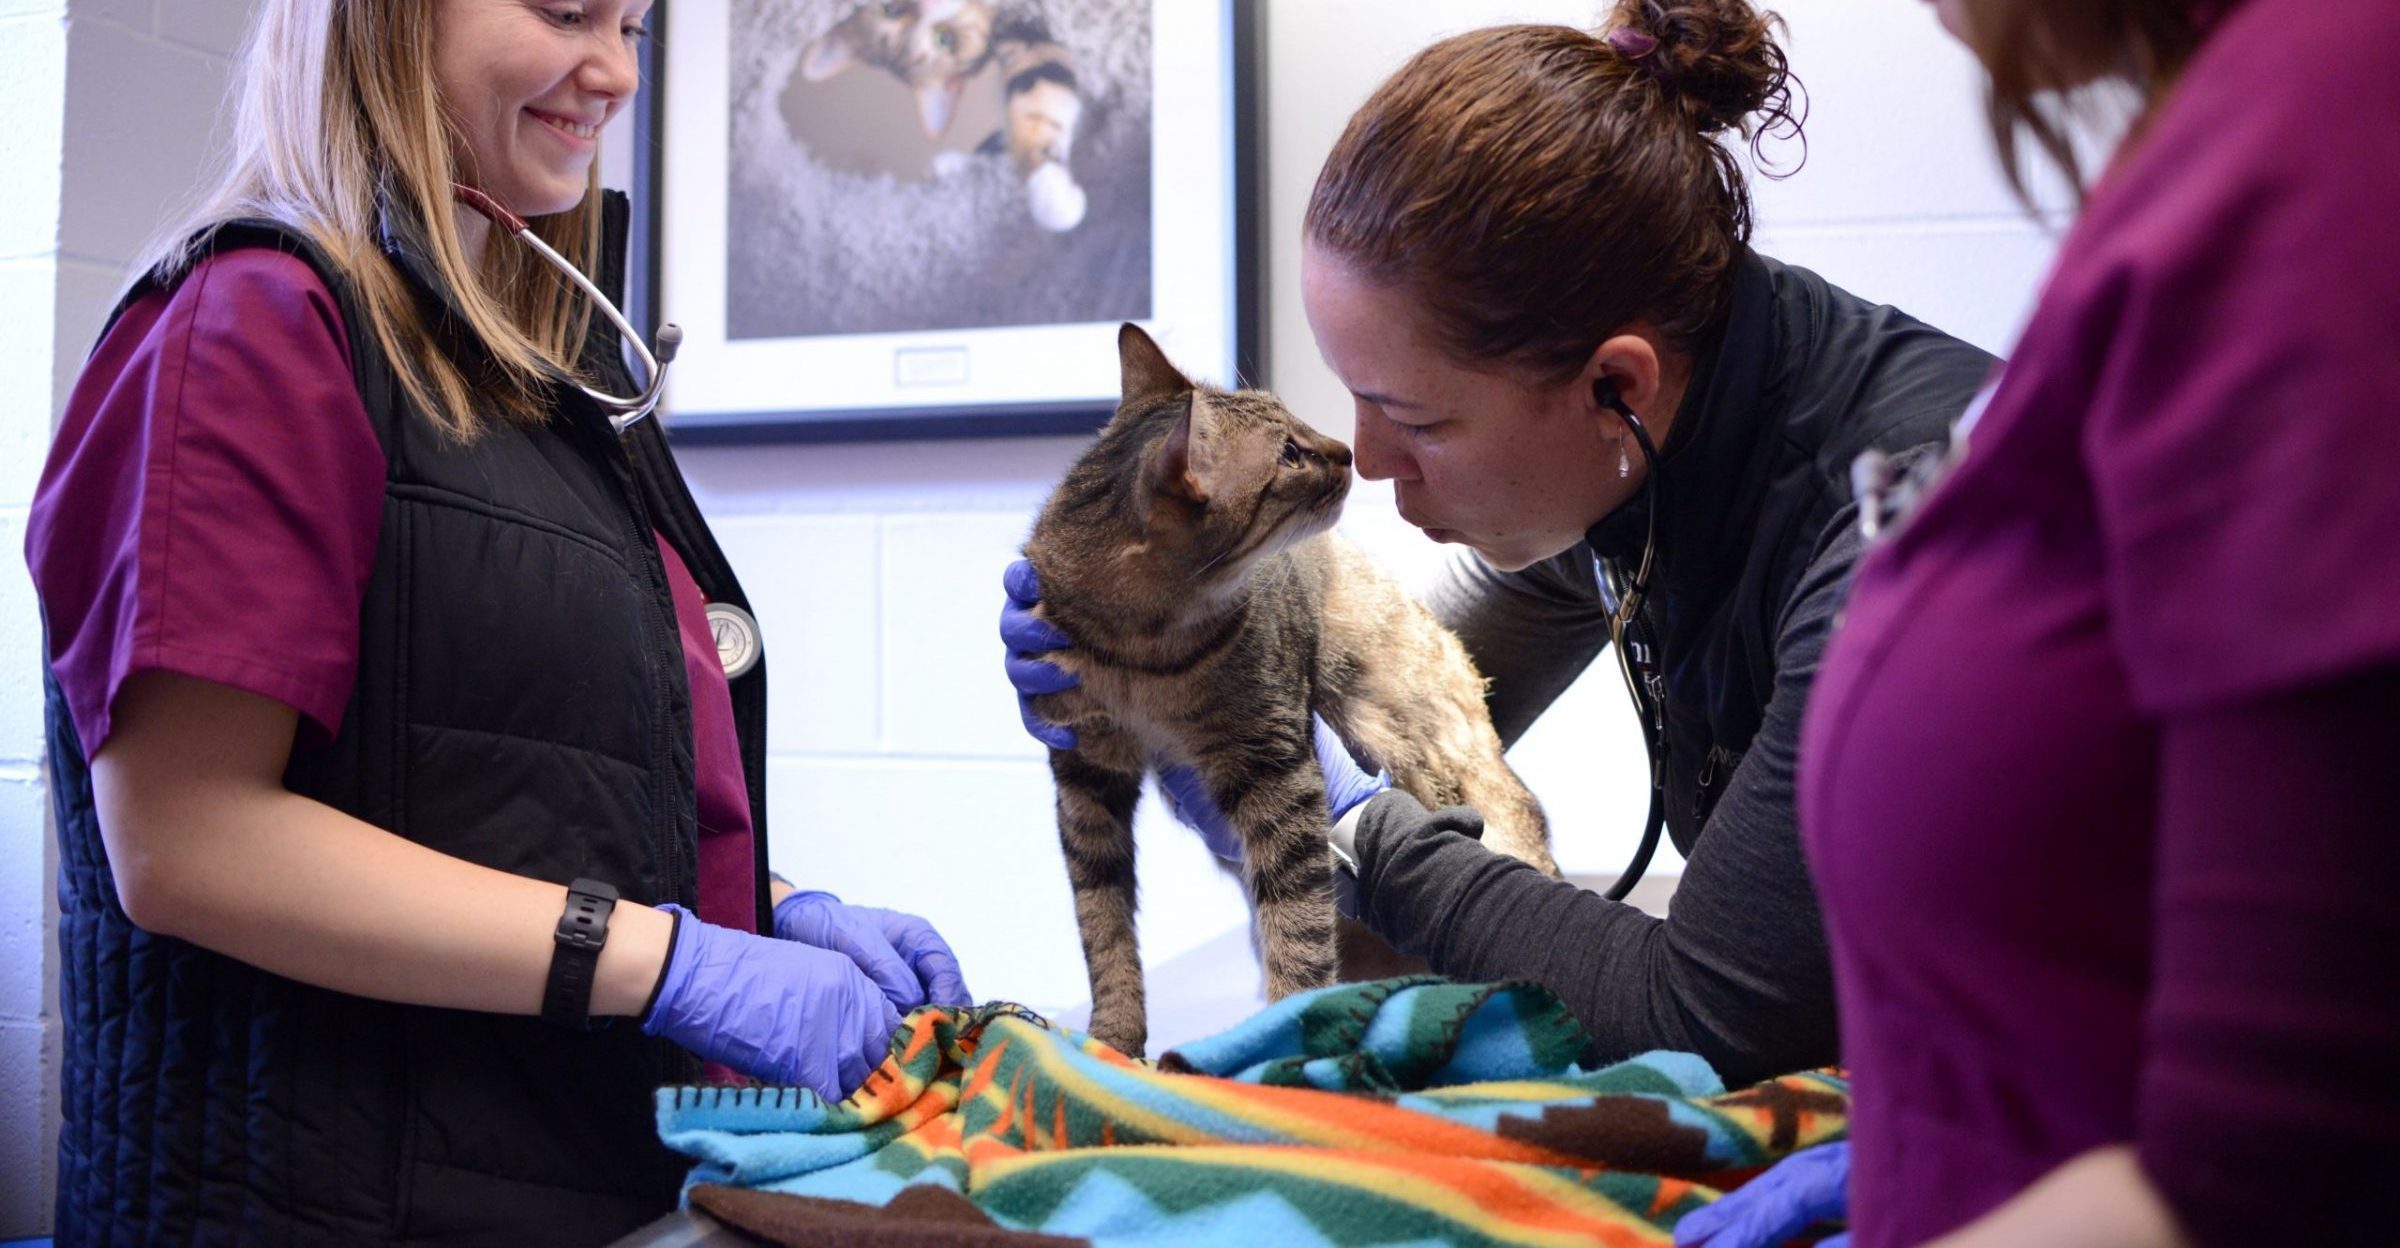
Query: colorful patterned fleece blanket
[[1410, 1111]]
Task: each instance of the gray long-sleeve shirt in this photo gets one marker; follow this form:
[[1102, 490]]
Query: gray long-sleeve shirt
[[1756, 539], [1739, 972]]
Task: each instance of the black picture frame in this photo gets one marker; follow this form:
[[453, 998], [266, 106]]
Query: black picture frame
[[1246, 277]]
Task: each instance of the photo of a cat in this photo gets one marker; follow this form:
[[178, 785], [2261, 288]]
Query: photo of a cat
[[927, 218], [910, 165]]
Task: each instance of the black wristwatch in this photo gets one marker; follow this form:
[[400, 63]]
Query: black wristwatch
[[582, 930]]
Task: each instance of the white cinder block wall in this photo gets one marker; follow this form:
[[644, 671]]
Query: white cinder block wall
[[899, 773], [108, 111]]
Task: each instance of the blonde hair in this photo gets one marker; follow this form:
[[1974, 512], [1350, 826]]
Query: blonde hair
[[334, 109]]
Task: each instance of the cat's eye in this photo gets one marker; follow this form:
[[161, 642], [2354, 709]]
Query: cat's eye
[[896, 9], [1293, 455], [947, 40]]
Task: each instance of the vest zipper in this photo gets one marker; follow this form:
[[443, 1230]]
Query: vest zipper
[[674, 885]]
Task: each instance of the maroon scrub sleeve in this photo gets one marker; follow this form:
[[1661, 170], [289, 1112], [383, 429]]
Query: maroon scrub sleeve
[[2241, 431], [213, 498]]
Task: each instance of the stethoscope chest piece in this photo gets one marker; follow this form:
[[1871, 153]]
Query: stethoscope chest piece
[[736, 634]]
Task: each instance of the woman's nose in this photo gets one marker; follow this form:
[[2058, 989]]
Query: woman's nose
[[1377, 454], [614, 70]]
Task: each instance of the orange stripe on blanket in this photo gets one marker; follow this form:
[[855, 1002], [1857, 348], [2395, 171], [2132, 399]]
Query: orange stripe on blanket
[[1351, 1121], [921, 1035], [1671, 1192], [979, 1078], [1512, 1203]]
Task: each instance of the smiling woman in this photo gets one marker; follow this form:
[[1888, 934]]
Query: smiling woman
[[527, 88], [394, 748]]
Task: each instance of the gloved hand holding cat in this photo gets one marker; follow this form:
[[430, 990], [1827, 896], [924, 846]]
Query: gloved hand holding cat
[[1029, 637]]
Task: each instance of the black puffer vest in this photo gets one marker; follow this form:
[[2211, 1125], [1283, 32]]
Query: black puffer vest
[[521, 703], [1804, 377]]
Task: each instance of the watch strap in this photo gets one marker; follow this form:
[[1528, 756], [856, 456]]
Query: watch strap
[[575, 954]]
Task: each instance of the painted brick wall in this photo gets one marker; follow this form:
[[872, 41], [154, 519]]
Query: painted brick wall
[[899, 772], [33, 73], [111, 108]]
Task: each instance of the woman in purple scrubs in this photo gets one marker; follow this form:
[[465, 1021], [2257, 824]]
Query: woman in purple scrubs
[[2098, 784]]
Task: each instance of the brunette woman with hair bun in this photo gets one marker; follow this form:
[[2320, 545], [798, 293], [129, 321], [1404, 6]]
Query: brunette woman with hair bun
[[1528, 252], [1526, 255]]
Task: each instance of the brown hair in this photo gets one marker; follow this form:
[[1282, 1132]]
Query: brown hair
[[2045, 56], [334, 110], [1541, 187]]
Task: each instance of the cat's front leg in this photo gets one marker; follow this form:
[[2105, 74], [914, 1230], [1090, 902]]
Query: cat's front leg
[[1278, 811], [1098, 783]]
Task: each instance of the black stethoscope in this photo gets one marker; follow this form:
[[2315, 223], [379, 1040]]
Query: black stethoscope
[[1637, 656], [622, 412]]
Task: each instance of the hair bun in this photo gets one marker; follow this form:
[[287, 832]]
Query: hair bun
[[1718, 58]]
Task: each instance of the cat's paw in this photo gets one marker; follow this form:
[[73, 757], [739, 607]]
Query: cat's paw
[[1056, 202], [949, 163]]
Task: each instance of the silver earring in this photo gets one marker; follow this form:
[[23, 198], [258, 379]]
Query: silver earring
[[1624, 463]]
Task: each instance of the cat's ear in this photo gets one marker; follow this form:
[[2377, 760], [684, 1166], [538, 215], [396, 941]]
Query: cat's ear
[[937, 103], [829, 55], [1147, 372], [1174, 468]]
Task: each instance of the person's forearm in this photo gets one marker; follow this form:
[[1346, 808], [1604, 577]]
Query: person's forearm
[[1746, 986], [2099, 1200], [295, 887], [1432, 890], [1429, 886]]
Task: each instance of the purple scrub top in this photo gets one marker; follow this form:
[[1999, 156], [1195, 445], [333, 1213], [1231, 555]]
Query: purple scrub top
[[211, 507], [2059, 789]]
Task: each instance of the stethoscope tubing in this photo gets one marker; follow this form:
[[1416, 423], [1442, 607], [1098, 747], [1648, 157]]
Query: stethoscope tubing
[[1649, 705], [622, 412]]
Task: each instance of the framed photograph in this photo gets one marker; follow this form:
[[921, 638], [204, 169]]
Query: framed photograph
[[917, 218]]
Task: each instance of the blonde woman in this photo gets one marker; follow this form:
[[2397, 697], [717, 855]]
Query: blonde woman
[[393, 755]]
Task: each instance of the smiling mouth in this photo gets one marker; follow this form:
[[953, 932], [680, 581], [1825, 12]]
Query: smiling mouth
[[566, 125]]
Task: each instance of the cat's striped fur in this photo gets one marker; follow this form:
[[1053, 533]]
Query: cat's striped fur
[[1187, 553]]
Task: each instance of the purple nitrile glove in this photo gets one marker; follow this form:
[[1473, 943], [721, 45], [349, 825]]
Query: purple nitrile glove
[[1346, 785], [772, 1009], [1806, 1188], [1028, 637], [902, 953]]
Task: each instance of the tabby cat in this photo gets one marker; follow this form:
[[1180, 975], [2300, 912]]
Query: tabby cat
[[935, 46], [1187, 553]]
